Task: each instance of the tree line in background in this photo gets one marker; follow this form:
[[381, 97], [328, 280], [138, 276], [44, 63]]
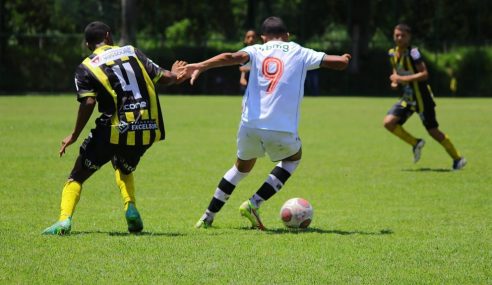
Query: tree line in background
[[41, 41]]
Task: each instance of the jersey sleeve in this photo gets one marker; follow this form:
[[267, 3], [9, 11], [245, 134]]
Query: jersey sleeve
[[416, 55], [84, 83], [312, 58], [155, 71], [391, 57], [250, 50]]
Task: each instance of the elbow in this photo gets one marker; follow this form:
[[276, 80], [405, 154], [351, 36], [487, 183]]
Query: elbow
[[425, 76]]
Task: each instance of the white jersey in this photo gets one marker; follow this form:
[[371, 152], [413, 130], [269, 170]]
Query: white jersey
[[276, 84]]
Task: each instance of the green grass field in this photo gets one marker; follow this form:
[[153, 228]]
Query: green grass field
[[379, 218]]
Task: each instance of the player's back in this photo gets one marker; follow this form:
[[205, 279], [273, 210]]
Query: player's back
[[125, 93], [276, 84]]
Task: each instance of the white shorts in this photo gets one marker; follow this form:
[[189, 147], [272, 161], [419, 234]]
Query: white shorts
[[253, 143]]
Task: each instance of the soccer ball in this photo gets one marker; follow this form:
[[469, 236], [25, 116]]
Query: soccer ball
[[296, 213]]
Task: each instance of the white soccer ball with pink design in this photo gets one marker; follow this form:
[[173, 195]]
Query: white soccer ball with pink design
[[296, 213]]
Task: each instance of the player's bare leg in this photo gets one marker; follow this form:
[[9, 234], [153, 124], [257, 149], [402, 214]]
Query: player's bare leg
[[391, 123]]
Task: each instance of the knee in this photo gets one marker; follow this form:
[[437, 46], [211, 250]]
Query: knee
[[389, 124]]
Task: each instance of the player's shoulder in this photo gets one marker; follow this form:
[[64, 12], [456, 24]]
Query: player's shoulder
[[251, 48], [391, 52]]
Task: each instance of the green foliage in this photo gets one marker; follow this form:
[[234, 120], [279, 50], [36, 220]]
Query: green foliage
[[378, 218], [470, 66], [177, 33]]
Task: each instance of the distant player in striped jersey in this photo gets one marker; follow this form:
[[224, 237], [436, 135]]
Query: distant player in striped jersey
[[121, 80], [249, 40], [270, 116], [410, 74]]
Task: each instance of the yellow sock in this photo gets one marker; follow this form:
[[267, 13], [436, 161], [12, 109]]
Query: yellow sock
[[70, 198], [127, 187], [450, 149], [404, 135]]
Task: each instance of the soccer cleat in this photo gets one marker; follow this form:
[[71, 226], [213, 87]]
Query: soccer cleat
[[135, 224], [417, 150], [250, 212], [459, 163], [204, 222], [60, 228]]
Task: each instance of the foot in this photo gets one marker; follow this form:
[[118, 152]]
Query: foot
[[204, 222], [250, 212], [459, 163], [417, 150], [60, 228], [135, 224]]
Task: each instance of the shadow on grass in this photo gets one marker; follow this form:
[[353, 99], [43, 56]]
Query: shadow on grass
[[122, 234], [322, 231], [427, 169]]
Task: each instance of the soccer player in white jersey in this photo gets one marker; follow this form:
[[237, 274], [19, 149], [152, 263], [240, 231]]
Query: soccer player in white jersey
[[270, 116]]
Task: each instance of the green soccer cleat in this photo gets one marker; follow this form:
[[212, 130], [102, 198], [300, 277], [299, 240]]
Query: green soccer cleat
[[250, 212], [204, 223], [60, 228], [133, 219]]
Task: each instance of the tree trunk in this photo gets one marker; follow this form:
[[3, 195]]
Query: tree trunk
[[128, 21], [3, 32], [359, 31]]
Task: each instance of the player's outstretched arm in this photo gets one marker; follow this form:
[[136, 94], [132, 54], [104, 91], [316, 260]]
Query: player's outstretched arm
[[337, 62], [224, 59], [85, 111]]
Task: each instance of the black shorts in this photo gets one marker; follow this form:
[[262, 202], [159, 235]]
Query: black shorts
[[96, 151], [404, 111]]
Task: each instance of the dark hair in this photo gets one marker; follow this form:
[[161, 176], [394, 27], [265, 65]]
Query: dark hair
[[96, 32], [404, 27], [273, 26]]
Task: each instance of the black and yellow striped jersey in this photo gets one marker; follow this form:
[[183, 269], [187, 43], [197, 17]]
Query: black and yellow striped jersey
[[417, 94], [122, 81]]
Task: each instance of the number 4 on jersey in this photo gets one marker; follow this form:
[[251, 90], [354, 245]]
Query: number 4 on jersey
[[272, 69]]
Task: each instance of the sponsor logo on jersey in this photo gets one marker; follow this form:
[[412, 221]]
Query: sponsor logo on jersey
[[137, 126], [143, 125], [284, 47], [112, 54], [135, 106], [123, 127]]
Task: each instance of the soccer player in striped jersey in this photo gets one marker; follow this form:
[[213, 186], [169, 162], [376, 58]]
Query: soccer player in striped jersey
[[410, 74], [121, 80], [270, 116], [249, 40]]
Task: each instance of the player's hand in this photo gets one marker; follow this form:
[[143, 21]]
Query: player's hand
[[348, 56], [190, 71], [176, 65], [176, 70], [243, 81], [395, 78], [70, 139]]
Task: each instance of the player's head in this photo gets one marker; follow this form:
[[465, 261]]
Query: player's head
[[97, 33], [274, 28], [250, 37], [402, 34]]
